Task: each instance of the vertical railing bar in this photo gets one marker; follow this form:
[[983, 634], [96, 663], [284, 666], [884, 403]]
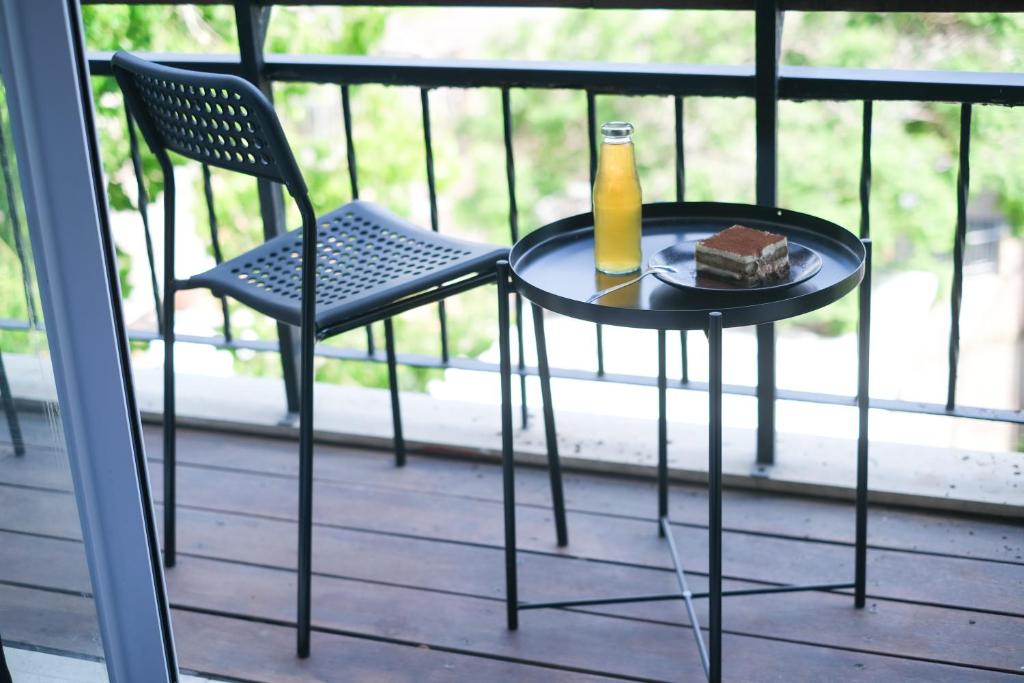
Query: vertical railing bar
[[963, 179], [432, 190], [19, 244], [592, 139], [863, 405], [510, 166], [251, 23], [662, 436], [513, 224], [680, 155], [680, 196], [768, 39], [592, 134], [143, 201], [353, 181], [350, 147], [863, 364], [218, 256], [865, 172]]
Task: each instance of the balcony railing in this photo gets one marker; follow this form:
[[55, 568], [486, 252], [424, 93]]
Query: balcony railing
[[767, 82]]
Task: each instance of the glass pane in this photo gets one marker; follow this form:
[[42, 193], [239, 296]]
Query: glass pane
[[48, 617]]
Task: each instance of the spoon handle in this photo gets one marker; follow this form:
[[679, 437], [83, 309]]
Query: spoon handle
[[614, 288]]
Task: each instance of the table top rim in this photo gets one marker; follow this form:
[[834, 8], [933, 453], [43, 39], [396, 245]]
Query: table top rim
[[735, 313]]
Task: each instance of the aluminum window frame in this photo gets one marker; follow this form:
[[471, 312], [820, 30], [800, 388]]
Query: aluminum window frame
[[49, 96]]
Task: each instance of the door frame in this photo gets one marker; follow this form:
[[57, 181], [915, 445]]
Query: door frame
[[45, 71]]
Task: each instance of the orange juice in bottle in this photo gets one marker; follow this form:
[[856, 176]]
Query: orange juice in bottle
[[617, 203]]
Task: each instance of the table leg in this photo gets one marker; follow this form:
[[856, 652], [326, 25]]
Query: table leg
[[550, 436], [662, 435], [507, 456], [863, 357], [715, 497]]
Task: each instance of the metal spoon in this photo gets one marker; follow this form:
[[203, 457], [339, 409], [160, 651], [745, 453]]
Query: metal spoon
[[661, 268]]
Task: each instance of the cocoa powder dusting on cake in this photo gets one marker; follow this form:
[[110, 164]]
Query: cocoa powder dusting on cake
[[742, 240]]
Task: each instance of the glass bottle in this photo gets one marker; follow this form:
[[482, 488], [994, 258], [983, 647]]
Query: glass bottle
[[617, 203]]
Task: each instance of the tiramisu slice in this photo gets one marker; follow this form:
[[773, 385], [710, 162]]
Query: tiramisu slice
[[743, 255]]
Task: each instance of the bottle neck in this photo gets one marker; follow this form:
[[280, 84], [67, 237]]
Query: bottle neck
[[619, 140]]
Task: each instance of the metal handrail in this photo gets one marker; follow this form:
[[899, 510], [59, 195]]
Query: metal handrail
[[795, 82], [785, 5]]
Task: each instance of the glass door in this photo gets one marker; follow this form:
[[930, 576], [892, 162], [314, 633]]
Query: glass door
[[48, 618], [81, 588]]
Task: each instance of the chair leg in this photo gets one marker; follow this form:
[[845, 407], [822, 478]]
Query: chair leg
[[305, 560], [11, 411], [554, 462], [170, 416], [508, 465], [170, 429], [396, 409]]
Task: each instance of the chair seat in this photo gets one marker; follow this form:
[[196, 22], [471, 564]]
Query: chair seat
[[367, 257]]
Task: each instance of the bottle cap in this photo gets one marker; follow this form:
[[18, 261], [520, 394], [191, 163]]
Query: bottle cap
[[617, 129]]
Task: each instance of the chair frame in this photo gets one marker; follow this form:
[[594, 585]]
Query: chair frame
[[126, 69]]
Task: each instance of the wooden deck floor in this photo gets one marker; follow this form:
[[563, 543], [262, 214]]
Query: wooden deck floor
[[409, 576]]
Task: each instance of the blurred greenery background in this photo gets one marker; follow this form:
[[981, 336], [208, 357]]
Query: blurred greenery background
[[915, 144]]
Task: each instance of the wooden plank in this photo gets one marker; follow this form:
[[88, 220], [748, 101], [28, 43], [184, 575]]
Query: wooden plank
[[257, 651], [968, 584], [791, 516], [220, 646], [557, 638], [818, 618], [37, 510], [761, 513], [829, 619], [41, 466], [52, 620]]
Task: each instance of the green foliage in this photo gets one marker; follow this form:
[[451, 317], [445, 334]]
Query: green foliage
[[301, 107], [151, 29], [915, 150]]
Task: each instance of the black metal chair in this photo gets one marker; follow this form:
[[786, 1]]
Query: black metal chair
[[11, 411], [370, 264]]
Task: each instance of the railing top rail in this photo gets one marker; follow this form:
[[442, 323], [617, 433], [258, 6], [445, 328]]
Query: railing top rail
[[747, 5], [795, 82]]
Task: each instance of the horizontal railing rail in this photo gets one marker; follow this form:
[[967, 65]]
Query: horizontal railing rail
[[795, 82], [784, 5], [767, 82]]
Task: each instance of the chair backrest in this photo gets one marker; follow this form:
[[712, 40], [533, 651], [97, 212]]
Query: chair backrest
[[217, 119]]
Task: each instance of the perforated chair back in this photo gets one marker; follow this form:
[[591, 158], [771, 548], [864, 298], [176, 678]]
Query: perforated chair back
[[217, 119]]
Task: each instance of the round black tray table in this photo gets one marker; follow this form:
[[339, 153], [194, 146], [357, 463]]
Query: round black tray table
[[553, 267]]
